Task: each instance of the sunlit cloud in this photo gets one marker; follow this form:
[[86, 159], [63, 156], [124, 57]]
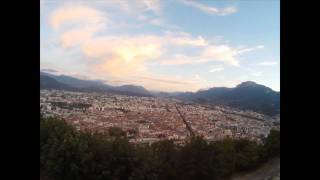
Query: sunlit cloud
[[169, 83], [76, 36], [185, 39], [77, 24], [119, 57], [77, 14]]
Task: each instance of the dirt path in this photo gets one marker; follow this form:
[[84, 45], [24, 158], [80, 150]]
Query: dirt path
[[268, 171]]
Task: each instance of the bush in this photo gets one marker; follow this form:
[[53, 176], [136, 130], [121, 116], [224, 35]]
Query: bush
[[272, 144], [63, 151], [67, 154]]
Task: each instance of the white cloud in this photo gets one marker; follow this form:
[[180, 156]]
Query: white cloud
[[148, 11], [268, 63], [183, 38], [211, 9], [244, 50], [216, 69], [222, 53], [256, 74], [138, 6], [210, 53]]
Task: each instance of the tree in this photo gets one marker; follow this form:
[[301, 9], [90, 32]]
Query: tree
[[272, 144], [62, 150], [246, 154], [116, 132], [69, 154], [224, 157], [196, 160]]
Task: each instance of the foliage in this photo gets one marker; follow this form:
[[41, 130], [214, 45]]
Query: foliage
[[67, 154], [272, 144], [116, 132]]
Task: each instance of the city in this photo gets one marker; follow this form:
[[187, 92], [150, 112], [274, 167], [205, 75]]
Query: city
[[149, 119]]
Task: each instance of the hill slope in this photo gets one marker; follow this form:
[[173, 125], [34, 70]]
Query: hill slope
[[50, 81], [247, 96], [47, 82]]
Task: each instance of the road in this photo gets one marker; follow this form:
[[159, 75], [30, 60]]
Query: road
[[268, 171], [185, 122]]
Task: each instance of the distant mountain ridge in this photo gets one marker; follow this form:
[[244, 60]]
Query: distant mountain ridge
[[47, 82], [246, 96], [50, 81]]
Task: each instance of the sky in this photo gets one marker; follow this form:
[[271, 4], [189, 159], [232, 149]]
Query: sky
[[163, 45]]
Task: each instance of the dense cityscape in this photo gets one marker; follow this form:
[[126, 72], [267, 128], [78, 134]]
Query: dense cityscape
[[149, 119]]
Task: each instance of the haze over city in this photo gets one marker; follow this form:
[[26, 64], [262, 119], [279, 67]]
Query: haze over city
[[168, 45]]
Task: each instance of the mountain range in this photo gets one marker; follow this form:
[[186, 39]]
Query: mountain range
[[51, 81], [246, 96]]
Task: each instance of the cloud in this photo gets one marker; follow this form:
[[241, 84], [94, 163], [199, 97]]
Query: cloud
[[249, 49], [79, 22], [210, 9], [221, 53], [77, 14], [170, 81], [94, 47], [179, 60], [76, 36], [138, 6], [256, 74], [185, 39], [148, 11], [216, 69], [267, 63], [49, 70], [120, 57], [210, 53]]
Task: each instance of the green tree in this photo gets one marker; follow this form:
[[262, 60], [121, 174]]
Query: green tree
[[224, 157], [246, 154], [66, 154], [272, 144], [62, 150], [195, 160], [116, 132]]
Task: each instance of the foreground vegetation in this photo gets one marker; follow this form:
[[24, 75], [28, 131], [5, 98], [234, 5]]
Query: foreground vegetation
[[67, 154]]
